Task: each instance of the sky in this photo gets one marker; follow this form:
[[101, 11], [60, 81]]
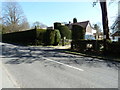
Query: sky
[[50, 12]]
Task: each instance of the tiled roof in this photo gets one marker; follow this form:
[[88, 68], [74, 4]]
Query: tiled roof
[[82, 24]]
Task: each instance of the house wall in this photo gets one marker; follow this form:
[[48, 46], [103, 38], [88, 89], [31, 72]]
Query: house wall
[[116, 25], [116, 38], [88, 30], [93, 31], [90, 33]]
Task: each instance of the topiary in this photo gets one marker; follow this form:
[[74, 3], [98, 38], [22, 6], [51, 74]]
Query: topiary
[[74, 20], [57, 25], [77, 32], [57, 37], [50, 34], [65, 32]]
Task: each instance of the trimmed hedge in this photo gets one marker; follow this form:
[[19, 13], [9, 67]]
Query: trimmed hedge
[[65, 32], [57, 25], [41, 35], [23, 37], [77, 32], [81, 45], [74, 20], [52, 37], [57, 37], [113, 48], [34, 37]]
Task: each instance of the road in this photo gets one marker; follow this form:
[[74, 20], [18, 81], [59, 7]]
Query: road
[[46, 67]]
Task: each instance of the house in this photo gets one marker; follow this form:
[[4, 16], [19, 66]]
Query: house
[[90, 32], [50, 28], [116, 36], [116, 29]]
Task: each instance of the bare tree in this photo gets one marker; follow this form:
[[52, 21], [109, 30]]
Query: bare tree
[[39, 25], [13, 17], [98, 30]]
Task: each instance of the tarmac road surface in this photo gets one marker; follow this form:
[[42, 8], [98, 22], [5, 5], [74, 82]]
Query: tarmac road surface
[[45, 67]]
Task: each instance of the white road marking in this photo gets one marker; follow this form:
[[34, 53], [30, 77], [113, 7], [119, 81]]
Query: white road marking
[[63, 64]]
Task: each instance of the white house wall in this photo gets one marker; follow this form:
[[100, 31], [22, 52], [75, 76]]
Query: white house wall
[[93, 31], [88, 30], [115, 38]]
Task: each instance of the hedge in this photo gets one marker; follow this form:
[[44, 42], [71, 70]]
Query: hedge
[[52, 37], [34, 36], [81, 45], [113, 48], [40, 38], [57, 25], [57, 37], [65, 32], [77, 32], [22, 37]]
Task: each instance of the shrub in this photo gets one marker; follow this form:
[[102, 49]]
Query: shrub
[[65, 32], [77, 32], [41, 33], [74, 20], [113, 48], [81, 45], [23, 37], [50, 34], [52, 37], [38, 37], [57, 37], [57, 25], [48, 37]]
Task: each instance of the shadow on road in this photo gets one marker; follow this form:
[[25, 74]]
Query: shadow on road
[[26, 54]]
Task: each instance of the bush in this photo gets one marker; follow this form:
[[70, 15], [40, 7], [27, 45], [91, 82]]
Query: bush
[[41, 34], [77, 32], [65, 32], [81, 45], [57, 25], [38, 37], [57, 37], [74, 20], [23, 37], [113, 48], [50, 37]]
